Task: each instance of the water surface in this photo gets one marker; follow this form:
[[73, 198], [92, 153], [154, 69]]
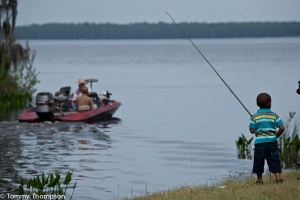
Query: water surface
[[177, 124]]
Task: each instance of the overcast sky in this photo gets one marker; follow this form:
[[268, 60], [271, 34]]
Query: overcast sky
[[153, 11]]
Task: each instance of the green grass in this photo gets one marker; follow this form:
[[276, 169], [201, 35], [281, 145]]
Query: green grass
[[14, 99], [237, 189], [289, 143]]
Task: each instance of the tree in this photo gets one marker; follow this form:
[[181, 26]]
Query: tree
[[16, 72]]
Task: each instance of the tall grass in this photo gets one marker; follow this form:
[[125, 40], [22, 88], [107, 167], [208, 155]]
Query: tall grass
[[14, 100], [289, 143], [12, 105], [244, 147], [52, 186]]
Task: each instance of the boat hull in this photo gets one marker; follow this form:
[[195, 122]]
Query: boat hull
[[103, 113]]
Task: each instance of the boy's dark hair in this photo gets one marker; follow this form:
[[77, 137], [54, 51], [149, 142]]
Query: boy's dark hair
[[263, 99], [84, 90]]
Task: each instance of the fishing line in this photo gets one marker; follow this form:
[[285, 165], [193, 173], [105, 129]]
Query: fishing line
[[210, 65]]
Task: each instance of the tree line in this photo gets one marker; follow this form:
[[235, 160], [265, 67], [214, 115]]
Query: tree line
[[159, 30]]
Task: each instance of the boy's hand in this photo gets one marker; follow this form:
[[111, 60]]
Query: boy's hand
[[252, 130], [280, 131]]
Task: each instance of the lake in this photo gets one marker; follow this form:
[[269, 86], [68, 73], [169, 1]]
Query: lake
[[177, 124]]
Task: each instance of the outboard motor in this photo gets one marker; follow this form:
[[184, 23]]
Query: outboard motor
[[45, 106]]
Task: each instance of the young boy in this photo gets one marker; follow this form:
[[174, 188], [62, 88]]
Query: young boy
[[264, 124]]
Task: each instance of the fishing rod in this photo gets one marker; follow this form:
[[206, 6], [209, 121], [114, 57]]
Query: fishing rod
[[210, 65]]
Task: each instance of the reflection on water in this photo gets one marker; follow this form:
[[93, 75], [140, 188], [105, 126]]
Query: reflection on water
[[10, 153], [10, 113], [30, 149], [99, 165]]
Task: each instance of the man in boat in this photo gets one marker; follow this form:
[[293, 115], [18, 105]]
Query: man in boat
[[81, 83], [84, 102]]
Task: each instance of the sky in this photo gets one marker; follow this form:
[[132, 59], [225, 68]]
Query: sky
[[153, 11]]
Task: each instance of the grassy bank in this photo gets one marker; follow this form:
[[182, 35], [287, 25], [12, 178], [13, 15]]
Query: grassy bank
[[237, 189]]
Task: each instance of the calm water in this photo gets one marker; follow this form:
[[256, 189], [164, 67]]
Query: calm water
[[177, 124]]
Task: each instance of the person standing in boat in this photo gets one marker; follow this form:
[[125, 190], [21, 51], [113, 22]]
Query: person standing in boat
[[81, 83], [84, 102]]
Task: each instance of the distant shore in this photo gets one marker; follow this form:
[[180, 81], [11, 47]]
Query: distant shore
[[158, 30], [237, 189]]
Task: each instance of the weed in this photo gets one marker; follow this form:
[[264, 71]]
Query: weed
[[37, 187]]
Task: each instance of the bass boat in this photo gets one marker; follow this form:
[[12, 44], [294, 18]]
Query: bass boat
[[58, 107]]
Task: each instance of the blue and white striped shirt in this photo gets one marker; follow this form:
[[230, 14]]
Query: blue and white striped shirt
[[265, 123]]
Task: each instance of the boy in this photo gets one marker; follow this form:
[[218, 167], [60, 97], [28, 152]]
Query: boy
[[264, 124], [84, 102], [81, 83]]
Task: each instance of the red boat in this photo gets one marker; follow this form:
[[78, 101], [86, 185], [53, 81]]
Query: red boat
[[58, 108]]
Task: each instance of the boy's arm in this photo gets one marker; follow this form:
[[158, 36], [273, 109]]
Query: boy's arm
[[280, 131], [252, 130], [91, 104], [252, 126]]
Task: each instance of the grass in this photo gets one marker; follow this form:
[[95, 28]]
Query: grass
[[14, 99], [237, 189], [289, 143]]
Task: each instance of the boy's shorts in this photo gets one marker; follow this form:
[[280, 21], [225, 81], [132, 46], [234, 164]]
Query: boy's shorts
[[268, 151]]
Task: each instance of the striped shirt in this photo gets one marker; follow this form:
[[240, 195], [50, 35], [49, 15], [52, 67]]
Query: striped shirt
[[265, 123]]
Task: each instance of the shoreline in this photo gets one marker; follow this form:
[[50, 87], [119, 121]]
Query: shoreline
[[236, 189]]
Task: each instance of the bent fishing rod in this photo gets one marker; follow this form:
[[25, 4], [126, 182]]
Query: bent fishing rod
[[210, 65]]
